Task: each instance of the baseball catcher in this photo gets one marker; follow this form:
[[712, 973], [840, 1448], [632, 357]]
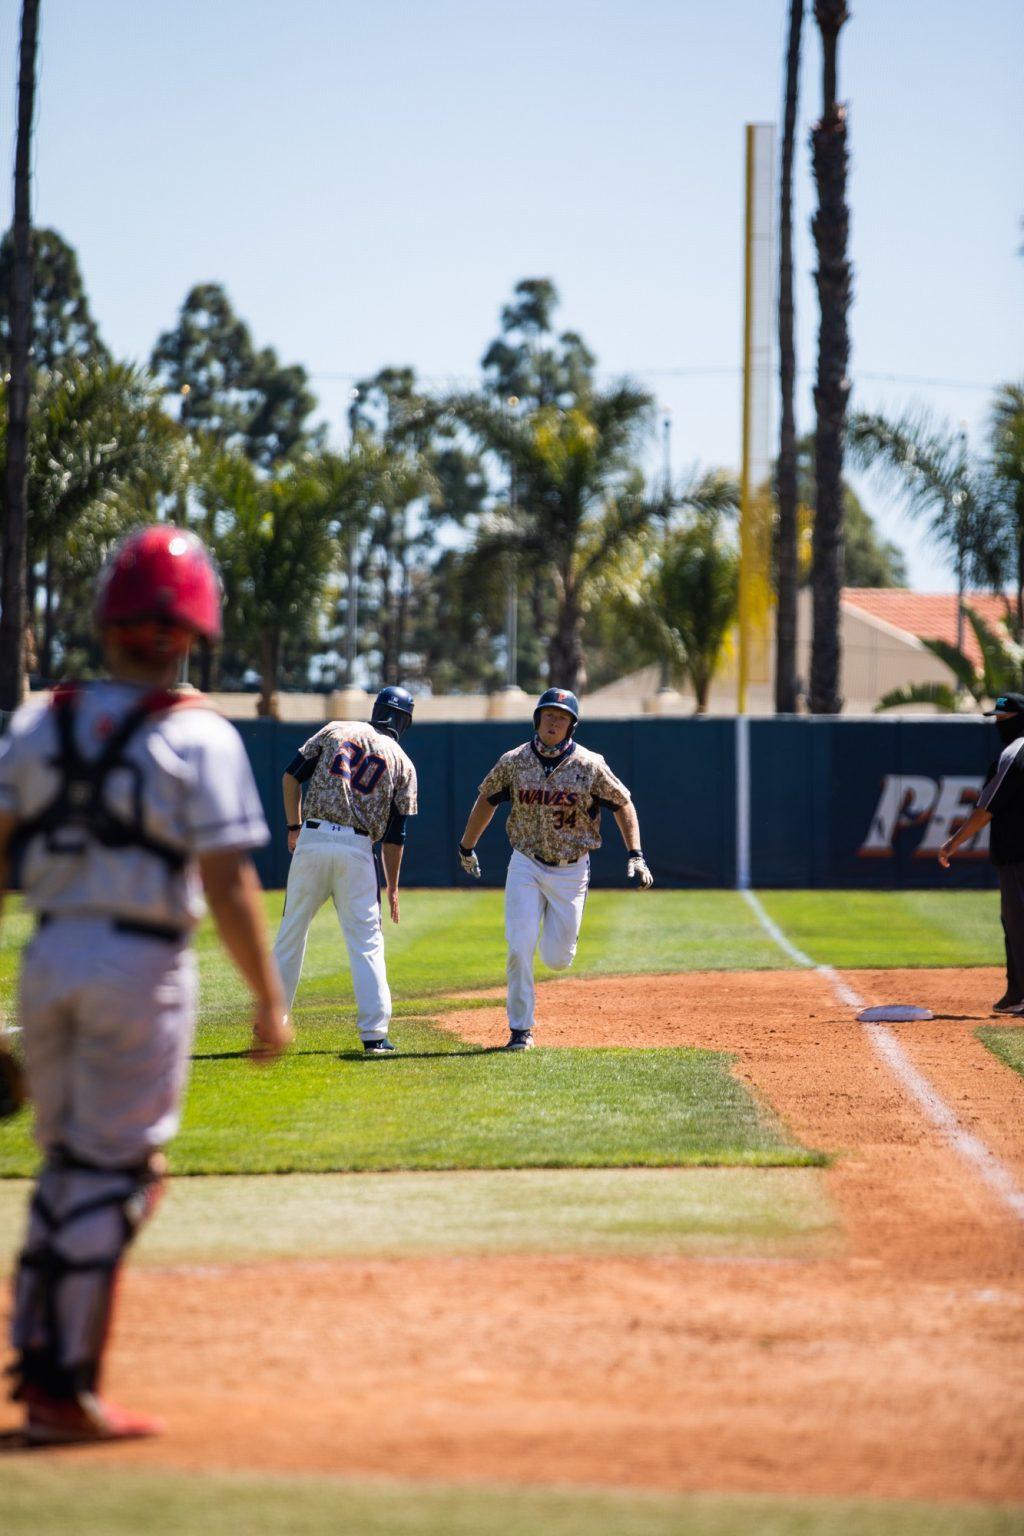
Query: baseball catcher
[[118, 801], [556, 791]]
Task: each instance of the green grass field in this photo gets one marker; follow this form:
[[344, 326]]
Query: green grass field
[[39, 1500], [443, 1104], [494, 1154], [1007, 1044]]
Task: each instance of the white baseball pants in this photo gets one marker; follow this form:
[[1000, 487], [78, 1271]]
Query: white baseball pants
[[540, 903], [337, 863], [107, 1020]]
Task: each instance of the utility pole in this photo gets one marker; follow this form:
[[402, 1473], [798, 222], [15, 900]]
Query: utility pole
[[13, 613], [512, 588], [352, 599]]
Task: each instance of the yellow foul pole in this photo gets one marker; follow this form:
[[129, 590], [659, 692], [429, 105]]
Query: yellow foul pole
[[746, 520]]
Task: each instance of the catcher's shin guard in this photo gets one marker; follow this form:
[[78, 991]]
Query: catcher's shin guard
[[81, 1220]]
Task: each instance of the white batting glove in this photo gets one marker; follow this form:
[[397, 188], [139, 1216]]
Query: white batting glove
[[469, 861], [637, 870]]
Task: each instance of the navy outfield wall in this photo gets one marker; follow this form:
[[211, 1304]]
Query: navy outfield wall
[[834, 802]]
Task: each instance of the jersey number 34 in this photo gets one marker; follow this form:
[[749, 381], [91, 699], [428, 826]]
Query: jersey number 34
[[362, 769]]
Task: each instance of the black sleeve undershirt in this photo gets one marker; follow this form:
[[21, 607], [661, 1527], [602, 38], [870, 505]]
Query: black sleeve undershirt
[[500, 797], [395, 830], [302, 768]]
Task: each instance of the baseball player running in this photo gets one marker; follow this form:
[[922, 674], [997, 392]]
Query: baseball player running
[[118, 801], [348, 787], [556, 790]]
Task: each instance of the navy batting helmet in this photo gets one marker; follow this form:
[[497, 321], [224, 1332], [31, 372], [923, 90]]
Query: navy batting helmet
[[558, 698], [392, 711]]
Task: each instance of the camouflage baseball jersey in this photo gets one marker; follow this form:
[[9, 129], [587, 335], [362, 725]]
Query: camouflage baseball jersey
[[556, 814], [360, 777]]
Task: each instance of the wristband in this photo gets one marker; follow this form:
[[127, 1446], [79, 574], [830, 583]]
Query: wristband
[[635, 853], [295, 826], [465, 851]]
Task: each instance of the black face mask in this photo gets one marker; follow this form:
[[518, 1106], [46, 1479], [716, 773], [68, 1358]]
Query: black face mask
[[1010, 728]]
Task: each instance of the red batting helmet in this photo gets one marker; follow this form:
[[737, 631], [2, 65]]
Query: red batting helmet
[[161, 574]]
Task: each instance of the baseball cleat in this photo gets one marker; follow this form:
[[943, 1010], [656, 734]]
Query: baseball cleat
[[83, 1420], [378, 1047], [520, 1040], [1008, 1004]]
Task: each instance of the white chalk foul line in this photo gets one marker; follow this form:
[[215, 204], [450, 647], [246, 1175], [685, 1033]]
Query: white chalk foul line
[[885, 1044]]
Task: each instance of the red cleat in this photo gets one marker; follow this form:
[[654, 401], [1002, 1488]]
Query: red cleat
[[82, 1420]]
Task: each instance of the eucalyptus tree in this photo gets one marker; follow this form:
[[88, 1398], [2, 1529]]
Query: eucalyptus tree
[[527, 362], [62, 324], [786, 480], [277, 550], [834, 283], [240, 396], [426, 481]]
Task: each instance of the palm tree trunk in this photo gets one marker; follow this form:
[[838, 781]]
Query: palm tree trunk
[[565, 650], [786, 545], [270, 654], [831, 226], [15, 519]]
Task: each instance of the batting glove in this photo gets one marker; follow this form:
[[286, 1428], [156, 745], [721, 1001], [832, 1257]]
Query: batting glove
[[469, 861], [637, 870]]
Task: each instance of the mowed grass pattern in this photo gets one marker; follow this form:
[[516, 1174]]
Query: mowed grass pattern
[[705, 1212], [97, 1501], [891, 929], [442, 1104]]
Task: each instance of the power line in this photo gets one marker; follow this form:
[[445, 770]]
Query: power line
[[695, 371]]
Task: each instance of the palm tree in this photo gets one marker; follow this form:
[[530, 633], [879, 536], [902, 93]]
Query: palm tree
[[15, 508], [1002, 671], [579, 495], [928, 464], [1007, 425], [691, 603], [100, 446], [831, 228], [787, 578]]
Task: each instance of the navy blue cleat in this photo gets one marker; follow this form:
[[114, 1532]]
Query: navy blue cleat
[[378, 1047], [520, 1040]]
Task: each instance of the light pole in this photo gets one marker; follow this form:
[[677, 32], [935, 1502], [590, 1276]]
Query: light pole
[[512, 588], [664, 684], [352, 599], [960, 502]]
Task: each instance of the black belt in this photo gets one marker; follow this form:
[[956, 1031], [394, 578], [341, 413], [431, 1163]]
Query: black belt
[[165, 931], [557, 863], [359, 831]]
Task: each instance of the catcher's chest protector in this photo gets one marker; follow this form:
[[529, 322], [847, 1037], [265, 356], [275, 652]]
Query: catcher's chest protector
[[79, 809]]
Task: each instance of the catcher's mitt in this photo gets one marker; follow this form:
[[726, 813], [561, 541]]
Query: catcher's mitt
[[12, 1083]]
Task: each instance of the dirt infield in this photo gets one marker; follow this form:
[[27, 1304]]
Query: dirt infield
[[894, 1370]]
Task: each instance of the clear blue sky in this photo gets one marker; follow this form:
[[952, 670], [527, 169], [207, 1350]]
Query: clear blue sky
[[368, 181]]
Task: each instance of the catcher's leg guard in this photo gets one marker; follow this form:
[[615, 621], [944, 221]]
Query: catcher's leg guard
[[81, 1220]]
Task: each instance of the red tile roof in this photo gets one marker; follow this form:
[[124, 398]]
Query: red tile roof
[[929, 615]]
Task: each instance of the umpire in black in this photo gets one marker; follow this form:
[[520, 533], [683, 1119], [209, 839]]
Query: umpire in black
[[1001, 802]]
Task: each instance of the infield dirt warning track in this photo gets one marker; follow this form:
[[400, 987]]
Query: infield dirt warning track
[[893, 1368]]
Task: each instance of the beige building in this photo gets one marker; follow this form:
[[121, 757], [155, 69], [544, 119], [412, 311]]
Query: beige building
[[883, 629]]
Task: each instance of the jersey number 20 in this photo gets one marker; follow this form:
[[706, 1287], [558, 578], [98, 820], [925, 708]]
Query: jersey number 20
[[362, 769]]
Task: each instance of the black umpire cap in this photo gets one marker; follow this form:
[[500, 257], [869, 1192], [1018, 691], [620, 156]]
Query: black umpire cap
[[1007, 704]]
